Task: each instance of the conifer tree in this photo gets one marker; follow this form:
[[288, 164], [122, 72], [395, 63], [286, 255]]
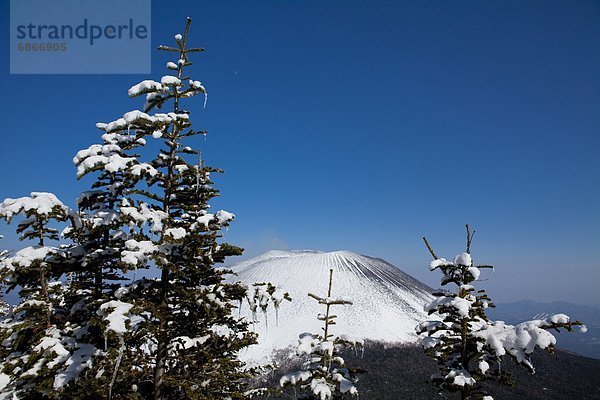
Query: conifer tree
[[324, 374], [173, 337], [35, 344], [469, 347]]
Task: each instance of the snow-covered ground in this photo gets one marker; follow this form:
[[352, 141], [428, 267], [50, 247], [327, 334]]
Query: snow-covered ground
[[388, 303]]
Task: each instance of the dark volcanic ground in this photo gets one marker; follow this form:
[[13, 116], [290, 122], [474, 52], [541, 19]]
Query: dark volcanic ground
[[396, 373]]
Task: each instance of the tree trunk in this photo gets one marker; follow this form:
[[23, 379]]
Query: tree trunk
[[161, 353]]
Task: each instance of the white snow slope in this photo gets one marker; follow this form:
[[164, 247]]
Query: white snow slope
[[388, 303]]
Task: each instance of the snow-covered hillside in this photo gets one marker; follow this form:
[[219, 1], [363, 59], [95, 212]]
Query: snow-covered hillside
[[388, 303]]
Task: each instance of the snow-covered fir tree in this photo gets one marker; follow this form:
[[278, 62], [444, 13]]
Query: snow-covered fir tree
[[324, 374], [469, 347], [174, 337], [36, 346]]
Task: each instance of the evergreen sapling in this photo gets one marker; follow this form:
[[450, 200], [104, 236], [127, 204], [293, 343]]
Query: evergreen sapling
[[467, 346], [324, 374]]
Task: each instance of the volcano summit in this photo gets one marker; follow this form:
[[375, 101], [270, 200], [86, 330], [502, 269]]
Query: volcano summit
[[387, 303]]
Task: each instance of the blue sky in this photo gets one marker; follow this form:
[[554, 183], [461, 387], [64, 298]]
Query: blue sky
[[366, 125]]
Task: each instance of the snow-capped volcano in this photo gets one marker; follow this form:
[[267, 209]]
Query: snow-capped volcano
[[387, 303]]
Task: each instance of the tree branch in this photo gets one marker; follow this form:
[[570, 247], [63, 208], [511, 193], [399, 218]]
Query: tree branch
[[435, 257]]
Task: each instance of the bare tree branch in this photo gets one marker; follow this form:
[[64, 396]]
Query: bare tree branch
[[435, 257]]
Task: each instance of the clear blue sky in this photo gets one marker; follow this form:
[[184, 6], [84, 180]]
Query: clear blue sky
[[366, 125]]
